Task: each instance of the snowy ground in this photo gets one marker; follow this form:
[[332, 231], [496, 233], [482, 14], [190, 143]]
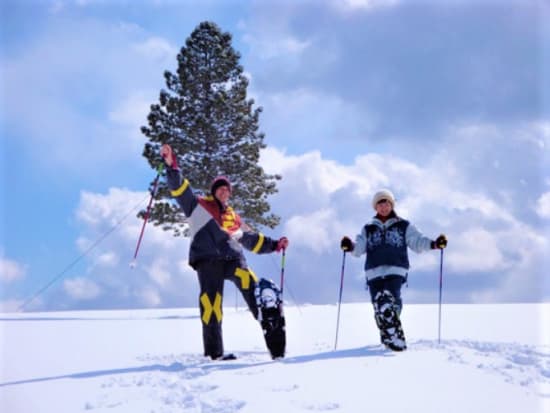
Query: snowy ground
[[492, 358]]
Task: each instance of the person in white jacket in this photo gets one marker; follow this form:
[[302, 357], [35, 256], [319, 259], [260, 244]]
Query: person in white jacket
[[385, 240]]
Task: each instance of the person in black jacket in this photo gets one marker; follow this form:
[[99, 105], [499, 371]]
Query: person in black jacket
[[385, 240], [216, 253]]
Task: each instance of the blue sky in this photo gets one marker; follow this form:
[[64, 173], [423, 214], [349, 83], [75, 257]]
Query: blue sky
[[443, 103]]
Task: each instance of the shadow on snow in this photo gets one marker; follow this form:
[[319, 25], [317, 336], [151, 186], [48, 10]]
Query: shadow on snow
[[527, 366], [201, 366]]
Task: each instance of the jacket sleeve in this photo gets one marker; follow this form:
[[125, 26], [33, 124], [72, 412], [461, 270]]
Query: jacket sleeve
[[360, 246], [417, 241], [181, 191], [258, 243]]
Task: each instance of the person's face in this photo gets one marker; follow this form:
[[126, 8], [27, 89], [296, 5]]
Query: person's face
[[383, 207], [222, 194]]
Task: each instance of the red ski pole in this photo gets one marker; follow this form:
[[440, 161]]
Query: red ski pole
[[147, 213]]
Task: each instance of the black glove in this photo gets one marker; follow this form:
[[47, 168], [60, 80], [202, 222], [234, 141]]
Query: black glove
[[346, 244], [439, 243]]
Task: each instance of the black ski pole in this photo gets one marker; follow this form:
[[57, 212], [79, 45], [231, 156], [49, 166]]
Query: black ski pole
[[340, 299], [147, 213], [440, 293], [282, 272]]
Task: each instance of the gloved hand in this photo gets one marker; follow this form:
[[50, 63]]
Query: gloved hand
[[346, 244], [282, 244], [168, 155], [439, 243]]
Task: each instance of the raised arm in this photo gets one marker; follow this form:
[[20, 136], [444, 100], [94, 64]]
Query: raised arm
[[180, 188]]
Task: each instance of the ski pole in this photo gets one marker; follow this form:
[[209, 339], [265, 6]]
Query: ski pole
[[340, 299], [440, 293], [282, 272], [147, 213]]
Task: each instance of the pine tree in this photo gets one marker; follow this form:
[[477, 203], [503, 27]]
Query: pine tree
[[213, 129]]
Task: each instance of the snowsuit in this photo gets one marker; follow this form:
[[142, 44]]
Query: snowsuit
[[387, 262], [216, 253]]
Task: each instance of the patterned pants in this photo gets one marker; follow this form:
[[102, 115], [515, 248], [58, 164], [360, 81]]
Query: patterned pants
[[392, 283], [212, 275]]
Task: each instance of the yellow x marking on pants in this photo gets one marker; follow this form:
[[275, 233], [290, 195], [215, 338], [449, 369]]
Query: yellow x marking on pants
[[210, 308], [244, 275]]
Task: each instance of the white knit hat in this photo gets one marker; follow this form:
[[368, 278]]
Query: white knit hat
[[383, 194]]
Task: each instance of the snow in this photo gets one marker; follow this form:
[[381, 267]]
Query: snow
[[492, 358]]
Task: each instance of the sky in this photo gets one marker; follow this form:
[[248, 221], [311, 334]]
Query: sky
[[150, 360], [445, 104]]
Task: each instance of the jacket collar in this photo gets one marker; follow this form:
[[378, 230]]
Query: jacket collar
[[391, 219]]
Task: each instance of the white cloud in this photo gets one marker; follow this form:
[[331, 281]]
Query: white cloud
[[159, 272], [269, 48], [111, 208], [150, 297], [317, 175], [117, 210], [313, 231], [157, 48], [81, 288], [350, 6], [329, 121], [269, 36], [538, 134], [108, 259], [269, 45], [11, 270], [476, 250], [543, 205], [133, 110], [185, 270], [522, 280]]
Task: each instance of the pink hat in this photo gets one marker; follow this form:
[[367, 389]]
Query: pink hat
[[219, 181]]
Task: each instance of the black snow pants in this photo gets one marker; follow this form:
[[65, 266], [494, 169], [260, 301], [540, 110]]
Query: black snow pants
[[391, 283], [212, 274]]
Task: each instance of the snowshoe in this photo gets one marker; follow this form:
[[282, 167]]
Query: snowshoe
[[387, 319], [225, 357], [271, 317]]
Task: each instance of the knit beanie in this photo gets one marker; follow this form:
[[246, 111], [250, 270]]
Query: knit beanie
[[383, 194], [219, 181]]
